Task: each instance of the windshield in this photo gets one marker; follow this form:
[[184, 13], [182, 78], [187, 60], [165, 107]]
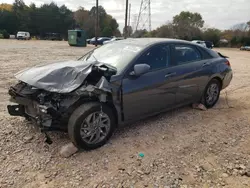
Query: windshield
[[115, 54]]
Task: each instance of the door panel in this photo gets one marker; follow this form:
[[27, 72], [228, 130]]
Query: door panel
[[188, 61], [150, 93], [188, 78], [153, 91]]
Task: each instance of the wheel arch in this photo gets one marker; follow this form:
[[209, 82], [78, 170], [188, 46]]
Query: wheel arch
[[217, 78], [83, 100]]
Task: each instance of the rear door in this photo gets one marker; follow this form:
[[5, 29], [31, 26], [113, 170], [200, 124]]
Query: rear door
[[189, 65], [153, 91]]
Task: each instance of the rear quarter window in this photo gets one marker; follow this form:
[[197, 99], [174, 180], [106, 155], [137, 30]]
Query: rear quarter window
[[208, 54]]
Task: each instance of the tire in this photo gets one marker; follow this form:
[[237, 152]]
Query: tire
[[81, 118], [205, 99]]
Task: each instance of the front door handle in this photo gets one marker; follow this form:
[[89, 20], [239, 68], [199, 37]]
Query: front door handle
[[205, 64], [170, 74]]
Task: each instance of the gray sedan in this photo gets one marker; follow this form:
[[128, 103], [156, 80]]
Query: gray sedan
[[116, 84]]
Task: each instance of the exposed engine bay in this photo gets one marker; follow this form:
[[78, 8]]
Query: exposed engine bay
[[48, 98]]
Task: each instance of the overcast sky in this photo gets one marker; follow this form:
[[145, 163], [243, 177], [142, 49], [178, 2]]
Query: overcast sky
[[221, 14]]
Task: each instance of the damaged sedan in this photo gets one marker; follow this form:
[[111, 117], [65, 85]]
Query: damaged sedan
[[116, 84]]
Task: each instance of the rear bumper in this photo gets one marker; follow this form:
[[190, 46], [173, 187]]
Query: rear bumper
[[227, 79]]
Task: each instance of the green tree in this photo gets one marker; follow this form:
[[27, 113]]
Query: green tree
[[8, 21], [21, 12], [129, 31], [213, 35], [165, 31], [85, 19], [187, 25], [188, 19], [139, 33], [49, 18], [107, 31]]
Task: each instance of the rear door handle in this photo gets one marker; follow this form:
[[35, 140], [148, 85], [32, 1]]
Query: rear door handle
[[170, 74], [205, 64]]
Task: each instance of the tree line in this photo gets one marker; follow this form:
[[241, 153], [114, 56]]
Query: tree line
[[50, 18], [190, 26]]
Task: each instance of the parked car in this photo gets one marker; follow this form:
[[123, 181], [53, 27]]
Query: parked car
[[53, 36], [202, 43], [23, 35], [116, 84], [99, 40], [247, 48], [209, 44], [12, 36], [88, 41], [113, 39]]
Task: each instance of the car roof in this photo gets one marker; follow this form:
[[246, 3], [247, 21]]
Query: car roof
[[104, 38], [197, 41], [145, 42], [151, 41]]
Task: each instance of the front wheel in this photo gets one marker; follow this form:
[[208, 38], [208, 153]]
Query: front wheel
[[211, 94], [91, 125]]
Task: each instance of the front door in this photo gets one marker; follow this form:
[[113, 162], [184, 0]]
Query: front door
[[153, 91]]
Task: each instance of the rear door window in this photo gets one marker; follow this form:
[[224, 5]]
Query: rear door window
[[184, 54]]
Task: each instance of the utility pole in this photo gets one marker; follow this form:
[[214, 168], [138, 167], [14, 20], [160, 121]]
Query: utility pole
[[126, 20], [96, 22], [129, 19]]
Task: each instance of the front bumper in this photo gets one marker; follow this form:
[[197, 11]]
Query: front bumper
[[29, 109]]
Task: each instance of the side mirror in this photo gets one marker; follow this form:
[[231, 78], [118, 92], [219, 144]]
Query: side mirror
[[140, 69]]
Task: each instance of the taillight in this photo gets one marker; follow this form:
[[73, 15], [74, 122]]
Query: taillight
[[228, 63]]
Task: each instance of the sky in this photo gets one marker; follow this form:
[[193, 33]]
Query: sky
[[222, 14]]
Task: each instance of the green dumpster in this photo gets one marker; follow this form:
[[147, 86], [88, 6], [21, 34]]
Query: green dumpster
[[77, 38]]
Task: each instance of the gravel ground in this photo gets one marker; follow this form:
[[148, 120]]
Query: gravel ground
[[182, 148]]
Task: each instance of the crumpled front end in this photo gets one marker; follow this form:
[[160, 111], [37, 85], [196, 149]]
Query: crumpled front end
[[34, 104], [51, 110]]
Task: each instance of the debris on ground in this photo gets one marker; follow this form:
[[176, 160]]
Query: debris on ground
[[141, 155], [199, 106], [68, 150]]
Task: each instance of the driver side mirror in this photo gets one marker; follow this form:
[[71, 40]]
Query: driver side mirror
[[140, 69]]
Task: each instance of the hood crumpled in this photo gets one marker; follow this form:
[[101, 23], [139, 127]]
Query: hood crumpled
[[62, 77]]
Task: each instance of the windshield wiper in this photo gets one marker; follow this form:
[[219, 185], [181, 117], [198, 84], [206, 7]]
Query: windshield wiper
[[91, 54], [94, 57]]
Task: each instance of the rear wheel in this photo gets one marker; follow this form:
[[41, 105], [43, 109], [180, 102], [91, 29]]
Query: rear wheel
[[212, 93], [91, 125]]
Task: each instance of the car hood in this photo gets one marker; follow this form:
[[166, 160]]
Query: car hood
[[60, 77]]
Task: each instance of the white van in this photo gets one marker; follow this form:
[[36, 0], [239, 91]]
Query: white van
[[23, 35]]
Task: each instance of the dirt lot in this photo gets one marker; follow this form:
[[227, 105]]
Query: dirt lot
[[183, 148]]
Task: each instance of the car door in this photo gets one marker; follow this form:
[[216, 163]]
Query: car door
[[189, 63], [152, 91]]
